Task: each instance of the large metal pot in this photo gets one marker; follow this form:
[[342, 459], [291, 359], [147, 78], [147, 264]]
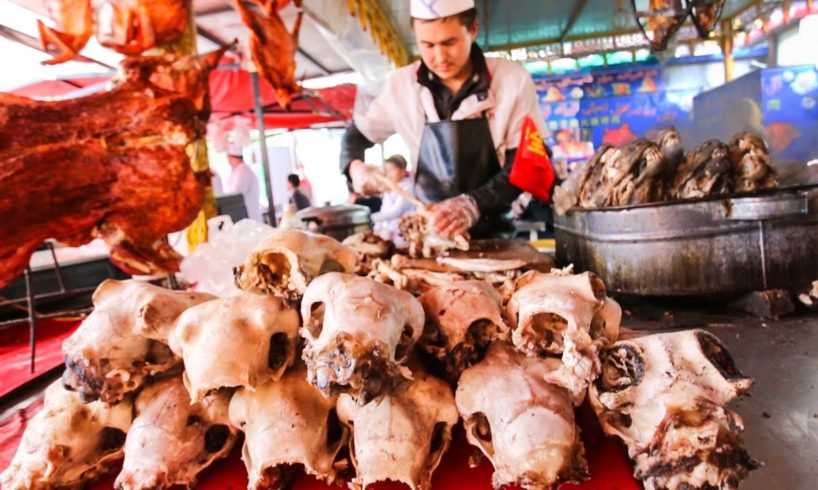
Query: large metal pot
[[716, 245], [338, 221]]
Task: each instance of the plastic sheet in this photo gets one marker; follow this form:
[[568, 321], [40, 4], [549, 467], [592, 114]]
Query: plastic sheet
[[210, 267]]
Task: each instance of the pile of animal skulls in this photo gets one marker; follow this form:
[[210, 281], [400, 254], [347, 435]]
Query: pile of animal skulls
[[383, 373]]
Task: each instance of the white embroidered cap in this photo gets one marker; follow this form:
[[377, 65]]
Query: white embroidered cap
[[435, 9], [235, 150]]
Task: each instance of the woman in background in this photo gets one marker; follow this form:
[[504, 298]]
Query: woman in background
[[393, 205]]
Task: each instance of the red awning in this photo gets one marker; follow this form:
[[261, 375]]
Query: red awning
[[56, 88], [231, 93]]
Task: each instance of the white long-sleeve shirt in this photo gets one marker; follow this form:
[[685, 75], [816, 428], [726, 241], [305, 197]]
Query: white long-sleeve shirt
[[393, 207], [243, 181]]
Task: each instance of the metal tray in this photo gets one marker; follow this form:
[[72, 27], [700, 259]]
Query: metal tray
[[724, 245]]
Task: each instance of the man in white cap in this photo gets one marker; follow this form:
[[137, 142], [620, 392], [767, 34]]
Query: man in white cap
[[460, 114], [243, 181]]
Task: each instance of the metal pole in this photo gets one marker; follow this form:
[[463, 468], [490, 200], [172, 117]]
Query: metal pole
[[265, 163]]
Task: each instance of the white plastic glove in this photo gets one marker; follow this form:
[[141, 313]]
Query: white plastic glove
[[455, 215], [365, 178]]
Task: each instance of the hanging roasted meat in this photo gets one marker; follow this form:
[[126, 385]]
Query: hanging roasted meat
[[113, 165], [272, 47], [132, 26], [74, 23], [660, 21], [705, 14], [751, 163]]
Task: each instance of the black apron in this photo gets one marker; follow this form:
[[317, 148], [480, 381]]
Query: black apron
[[457, 157]]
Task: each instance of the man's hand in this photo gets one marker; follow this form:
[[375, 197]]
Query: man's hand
[[365, 178], [455, 216]]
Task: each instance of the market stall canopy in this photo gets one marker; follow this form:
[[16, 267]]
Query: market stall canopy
[[541, 22], [231, 95]]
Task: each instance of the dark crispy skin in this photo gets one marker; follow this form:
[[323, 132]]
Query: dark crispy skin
[[138, 25], [112, 165], [362, 371], [273, 48]]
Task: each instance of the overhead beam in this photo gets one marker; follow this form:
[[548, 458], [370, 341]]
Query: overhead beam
[[211, 36], [220, 9], [34, 43], [579, 6]]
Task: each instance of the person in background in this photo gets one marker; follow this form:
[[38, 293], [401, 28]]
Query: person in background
[[298, 200], [216, 184], [243, 180], [462, 116], [394, 205]]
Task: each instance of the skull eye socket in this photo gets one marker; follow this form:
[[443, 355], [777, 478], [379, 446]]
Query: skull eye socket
[[315, 324], [547, 328], [111, 439], [279, 346], [405, 344], [335, 431], [598, 287], [216, 437], [718, 355], [622, 368]]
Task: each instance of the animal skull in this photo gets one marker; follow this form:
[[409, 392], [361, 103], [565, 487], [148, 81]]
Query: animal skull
[[285, 263], [124, 340], [287, 422], [522, 423], [242, 340], [462, 319], [665, 396], [401, 437], [68, 443], [171, 439], [567, 315], [359, 333]]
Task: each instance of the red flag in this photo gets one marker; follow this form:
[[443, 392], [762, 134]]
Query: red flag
[[531, 170]]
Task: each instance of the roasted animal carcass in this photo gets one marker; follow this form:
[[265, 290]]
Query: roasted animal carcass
[[665, 395], [187, 76], [242, 340], [272, 47], [663, 19], [403, 436], [171, 439], [124, 340], [633, 174], [285, 423], [132, 26], [670, 142], [369, 247], [359, 335], [566, 315], [112, 165], [415, 229], [751, 163], [68, 443], [74, 24], [705, 15], [285, 262], [706, 171], [462, 319], [522, 423]]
